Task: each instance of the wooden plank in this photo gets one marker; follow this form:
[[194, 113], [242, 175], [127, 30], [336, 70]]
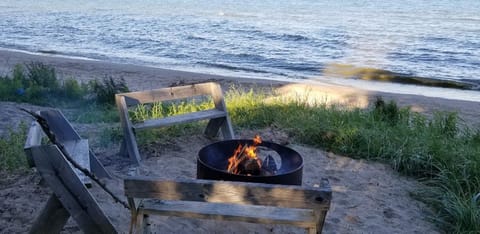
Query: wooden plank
[[65, 132], [179, 119], [225, 124], [129, 137], [241, 193], [34, 138], [51, 219], [97, 167], [246, 213], [59, 125], [133, 214], [170, 93], [73, 195], [227, 129], [214, 126], [79, 151]]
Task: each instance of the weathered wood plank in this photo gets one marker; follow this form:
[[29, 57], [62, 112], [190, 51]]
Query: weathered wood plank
[[245, 213], [225, 124], [128, 134], [51, 219], [213, 127], [64, 132], [179, 119], [79, 151], [59, 125], [73, 195], [34, 138], [170, 93], [240, 193], [97, 167]]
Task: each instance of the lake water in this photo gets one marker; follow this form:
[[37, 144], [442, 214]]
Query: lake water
[[270, 38]]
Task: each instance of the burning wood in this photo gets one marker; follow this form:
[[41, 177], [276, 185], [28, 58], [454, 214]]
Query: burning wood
[[245, 161]]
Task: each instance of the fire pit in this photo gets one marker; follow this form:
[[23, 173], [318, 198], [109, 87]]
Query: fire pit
[[277, 164]]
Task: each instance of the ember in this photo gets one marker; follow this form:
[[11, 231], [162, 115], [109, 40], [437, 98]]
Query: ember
[[245, 161]]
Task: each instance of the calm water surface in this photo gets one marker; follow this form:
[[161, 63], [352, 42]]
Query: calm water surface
[[273, 39]]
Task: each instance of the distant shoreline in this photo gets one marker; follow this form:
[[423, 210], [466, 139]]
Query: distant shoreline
[[351, 92]]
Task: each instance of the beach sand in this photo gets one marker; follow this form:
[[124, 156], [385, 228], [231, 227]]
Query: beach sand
[[368, 197], [145, 78]]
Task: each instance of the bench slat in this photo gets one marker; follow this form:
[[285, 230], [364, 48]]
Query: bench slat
[[79, 151], [217, 211], [179, 119], [171, 93], [240, 193]]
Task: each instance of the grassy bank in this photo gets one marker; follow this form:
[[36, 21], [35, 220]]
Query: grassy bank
[[438, 151]]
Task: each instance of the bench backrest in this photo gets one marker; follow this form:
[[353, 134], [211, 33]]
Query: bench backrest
[[173, 93]]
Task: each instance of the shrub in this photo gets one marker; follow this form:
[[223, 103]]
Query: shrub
[[42, 75], [73, 90], [12, 156], [105, 91]]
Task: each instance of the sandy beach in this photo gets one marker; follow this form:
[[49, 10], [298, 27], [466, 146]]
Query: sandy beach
[[144, 78], [368, 197]]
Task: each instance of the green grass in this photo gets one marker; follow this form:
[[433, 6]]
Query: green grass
[[164, 109], [95, 113], [439, 151], [37, 83], [12, 156]]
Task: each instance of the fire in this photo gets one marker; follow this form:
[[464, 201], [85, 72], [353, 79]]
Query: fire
[[245, 159]]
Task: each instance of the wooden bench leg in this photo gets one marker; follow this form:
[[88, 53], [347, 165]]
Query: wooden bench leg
[[52, 218], [146, 224], [223, 124], [70, 191], [139, 223]]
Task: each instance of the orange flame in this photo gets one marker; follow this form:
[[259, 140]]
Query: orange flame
[[238, 156]]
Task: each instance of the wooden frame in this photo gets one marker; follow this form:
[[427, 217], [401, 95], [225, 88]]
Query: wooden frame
[[66, 135], [218, 116], [234, 201], [70, 198], [70, 195]]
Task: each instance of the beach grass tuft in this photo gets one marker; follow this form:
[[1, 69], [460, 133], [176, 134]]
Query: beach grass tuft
[[106, 89], [12, 156]]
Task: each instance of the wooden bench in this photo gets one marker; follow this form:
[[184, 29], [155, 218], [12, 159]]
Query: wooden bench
[[71, 140], [233, 201], [218, 116], [70, 196]]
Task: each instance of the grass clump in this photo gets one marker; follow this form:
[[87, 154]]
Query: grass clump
[[156, 110], [106, 89], [12, 156]]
